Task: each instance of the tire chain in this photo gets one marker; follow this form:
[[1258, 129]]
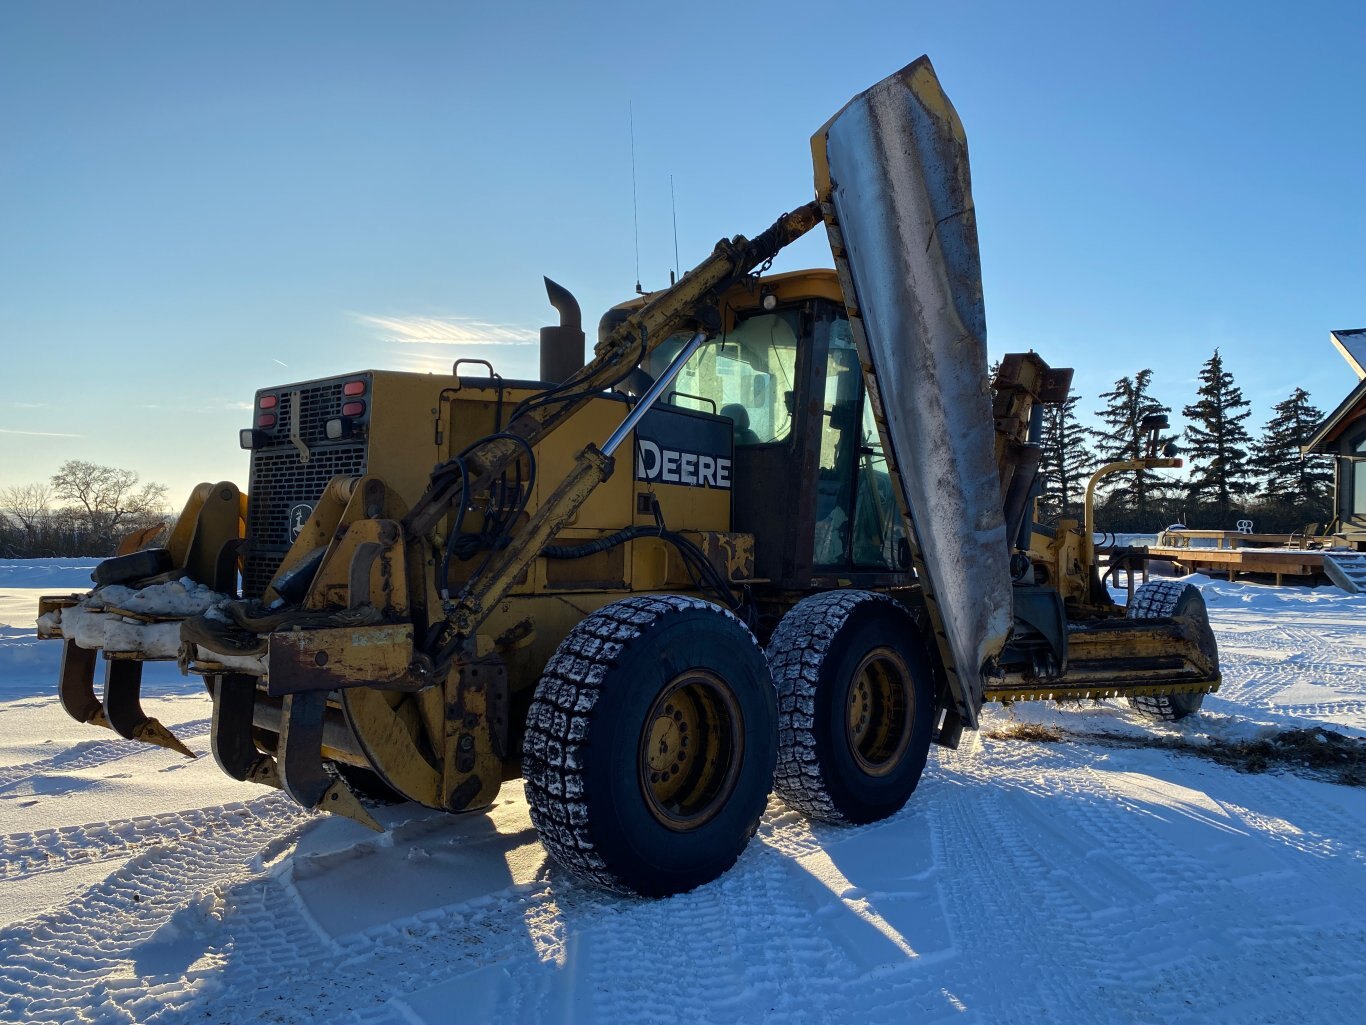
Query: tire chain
[[1156, 599], [558, 721], [796, 652]]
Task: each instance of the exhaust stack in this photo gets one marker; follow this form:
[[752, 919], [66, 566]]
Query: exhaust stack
[[562, 347]]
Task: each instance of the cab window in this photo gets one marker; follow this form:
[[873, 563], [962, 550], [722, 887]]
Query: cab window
[[746, 375], [858, 521]]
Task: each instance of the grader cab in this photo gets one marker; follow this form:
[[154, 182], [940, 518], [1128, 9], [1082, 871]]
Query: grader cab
[[774, 534]]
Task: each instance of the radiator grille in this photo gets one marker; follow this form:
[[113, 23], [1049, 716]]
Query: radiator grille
[[279, 482], [317, 404]]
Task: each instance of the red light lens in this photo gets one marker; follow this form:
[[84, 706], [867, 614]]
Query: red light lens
[[267, 402], [265, 420], [353, 388], [353, 409]]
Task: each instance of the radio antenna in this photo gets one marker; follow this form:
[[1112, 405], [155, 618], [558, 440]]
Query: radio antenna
[[673, 209], [635, 209]]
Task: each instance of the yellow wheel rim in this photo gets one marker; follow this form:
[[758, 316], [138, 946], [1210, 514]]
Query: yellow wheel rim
[[880, 712], [691, 746]]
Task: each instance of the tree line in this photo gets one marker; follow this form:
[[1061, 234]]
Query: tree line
[[1229, 474], [84, 509]]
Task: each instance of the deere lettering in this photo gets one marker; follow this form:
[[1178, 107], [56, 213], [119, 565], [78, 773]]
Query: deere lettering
[[671, 466]]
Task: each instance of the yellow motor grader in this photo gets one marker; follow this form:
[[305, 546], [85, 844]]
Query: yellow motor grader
[[775, 534]]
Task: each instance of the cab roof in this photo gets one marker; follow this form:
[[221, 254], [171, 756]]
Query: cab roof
[[790, 286]]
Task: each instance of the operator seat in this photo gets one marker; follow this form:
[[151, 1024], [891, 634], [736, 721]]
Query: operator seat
[[739, 417]]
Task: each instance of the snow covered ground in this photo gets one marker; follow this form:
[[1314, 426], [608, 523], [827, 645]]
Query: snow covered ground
[[1091, 877]]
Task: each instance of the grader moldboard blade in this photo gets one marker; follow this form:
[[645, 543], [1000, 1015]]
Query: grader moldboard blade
[[892, 180]]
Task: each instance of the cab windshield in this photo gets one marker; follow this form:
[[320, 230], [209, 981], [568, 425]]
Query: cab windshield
[[747, 375]]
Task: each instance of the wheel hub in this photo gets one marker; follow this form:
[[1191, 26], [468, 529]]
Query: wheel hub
[[880, 712], [690, 750]]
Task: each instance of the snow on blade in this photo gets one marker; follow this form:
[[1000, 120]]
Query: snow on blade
[[144, 621]]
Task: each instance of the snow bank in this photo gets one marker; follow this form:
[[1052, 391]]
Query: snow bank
[[54, 574]]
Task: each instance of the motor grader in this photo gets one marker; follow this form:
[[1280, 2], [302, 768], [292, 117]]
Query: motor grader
[[775, 534]]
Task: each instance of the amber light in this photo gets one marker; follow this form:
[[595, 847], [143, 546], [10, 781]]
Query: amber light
[[353, 388], [267, 402], [353, 409], [265, 420]]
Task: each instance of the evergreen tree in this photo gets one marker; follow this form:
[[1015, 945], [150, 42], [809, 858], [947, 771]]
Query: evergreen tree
[[1067, 461], [1135, 491], [1294, 482], [1218, 442]]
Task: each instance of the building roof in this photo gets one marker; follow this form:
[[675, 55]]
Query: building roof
[[1351, 343]]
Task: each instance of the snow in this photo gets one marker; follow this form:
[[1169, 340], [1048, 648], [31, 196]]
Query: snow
[[151, 626], [1094, 879]]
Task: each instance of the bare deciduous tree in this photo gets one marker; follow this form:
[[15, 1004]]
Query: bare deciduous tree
[[29, 506], [111, 501]]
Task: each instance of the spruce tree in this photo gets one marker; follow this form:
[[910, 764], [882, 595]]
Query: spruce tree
[[1067, 461], [1294, 483], [1218, 442], [1134, 491]]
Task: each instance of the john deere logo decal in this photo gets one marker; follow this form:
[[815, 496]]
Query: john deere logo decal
[[298, 518]]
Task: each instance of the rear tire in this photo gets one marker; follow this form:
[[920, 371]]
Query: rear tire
[[650, 745], [1164, 599], [856, 702]]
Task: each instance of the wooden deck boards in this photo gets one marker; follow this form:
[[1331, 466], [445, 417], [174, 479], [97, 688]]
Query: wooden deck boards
[[1229, 562]]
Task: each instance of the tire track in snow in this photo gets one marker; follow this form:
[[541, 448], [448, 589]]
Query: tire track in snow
[[54, 850], [104, 936], [87, 754], [684, 959], [1038, 843], [516, 939]]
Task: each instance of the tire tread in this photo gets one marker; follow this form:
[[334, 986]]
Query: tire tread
[[558, 724], [1157, 599], [796, 652]]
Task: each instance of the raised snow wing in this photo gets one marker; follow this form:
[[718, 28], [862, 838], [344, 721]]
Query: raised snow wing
[[892, 178]]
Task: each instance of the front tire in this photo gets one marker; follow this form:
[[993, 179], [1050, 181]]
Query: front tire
[[1166, 599], [650, 745], [856, 703]]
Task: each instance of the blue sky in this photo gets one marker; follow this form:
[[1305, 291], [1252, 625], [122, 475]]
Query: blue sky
[[193, 195]]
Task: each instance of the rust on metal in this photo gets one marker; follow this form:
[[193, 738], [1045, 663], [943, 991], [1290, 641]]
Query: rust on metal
[[335, 658]]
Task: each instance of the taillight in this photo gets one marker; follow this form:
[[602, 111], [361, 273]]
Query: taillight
[[265, 420], [353, 388], [353, 409], [267, 402]]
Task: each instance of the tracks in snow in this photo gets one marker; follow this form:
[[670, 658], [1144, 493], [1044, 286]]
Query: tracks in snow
[[105, 942], [53, 850], [1010, 854], [88, 754]]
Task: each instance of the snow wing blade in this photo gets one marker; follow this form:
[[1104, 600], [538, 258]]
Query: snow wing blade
[[892, 178]]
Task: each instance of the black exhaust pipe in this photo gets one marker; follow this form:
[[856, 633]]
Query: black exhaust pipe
[[562, 347]]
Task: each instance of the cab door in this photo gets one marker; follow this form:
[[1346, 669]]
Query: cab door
[[858, 529]]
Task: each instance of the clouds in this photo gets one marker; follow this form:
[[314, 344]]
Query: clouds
[[447, 331], [431, 344], [40, 434]]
